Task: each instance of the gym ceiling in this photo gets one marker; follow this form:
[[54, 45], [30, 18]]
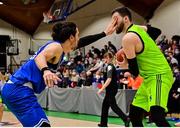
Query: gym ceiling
[[28, 14]]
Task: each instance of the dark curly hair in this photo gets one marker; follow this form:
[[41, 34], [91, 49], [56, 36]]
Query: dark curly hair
[[62, 31], [123, 11]]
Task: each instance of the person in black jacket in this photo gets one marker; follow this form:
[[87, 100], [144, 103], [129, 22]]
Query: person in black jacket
[[111, 88]]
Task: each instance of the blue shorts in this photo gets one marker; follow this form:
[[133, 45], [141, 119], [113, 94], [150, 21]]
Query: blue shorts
[[23, 103]]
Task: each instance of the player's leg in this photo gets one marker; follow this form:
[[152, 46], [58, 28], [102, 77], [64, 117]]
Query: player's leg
[[159, 97], [136, 116], [23, 103], [104, 112], [139, 106], [118, 111]]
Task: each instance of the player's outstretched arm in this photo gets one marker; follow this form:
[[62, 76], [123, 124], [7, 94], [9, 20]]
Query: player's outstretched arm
[[84, 41]]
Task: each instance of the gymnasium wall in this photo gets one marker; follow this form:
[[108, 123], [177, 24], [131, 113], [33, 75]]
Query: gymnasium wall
[[167, 17], [15, 33], [93, 19]]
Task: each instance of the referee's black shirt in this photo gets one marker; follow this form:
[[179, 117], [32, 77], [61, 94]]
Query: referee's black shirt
[[111, 73]]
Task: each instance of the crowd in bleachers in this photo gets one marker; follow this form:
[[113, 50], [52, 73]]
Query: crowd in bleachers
[[85, 70], [171, 50], [89, 70]]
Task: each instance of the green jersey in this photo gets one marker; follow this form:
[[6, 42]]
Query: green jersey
[[151, 60]]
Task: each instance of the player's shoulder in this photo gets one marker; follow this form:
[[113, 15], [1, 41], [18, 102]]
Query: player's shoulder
[[130, 37], [54, 44]]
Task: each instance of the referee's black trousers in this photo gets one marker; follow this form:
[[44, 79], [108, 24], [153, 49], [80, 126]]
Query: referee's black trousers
[[110, 101]]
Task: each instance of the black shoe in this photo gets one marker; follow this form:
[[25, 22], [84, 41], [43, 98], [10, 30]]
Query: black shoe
[[127, 122], [101, 125]]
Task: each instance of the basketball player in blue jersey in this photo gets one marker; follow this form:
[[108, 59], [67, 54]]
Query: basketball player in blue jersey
[[36, 73]]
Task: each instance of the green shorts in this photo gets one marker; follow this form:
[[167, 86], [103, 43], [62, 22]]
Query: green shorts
[[154, 91]]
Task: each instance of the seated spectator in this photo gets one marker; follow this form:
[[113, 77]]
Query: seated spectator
[[98, 65], [82, 79], [98, 81], [124, 83], [177, 53], [130, 80], [74, 79], [78, 56], [66, 75], [172, 59], [71, 64], [163, 43], [79, 67]]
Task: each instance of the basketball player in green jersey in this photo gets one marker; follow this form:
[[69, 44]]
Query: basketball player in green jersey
[[145, 60]]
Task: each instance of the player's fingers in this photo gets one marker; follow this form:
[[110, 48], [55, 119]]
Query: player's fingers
[[51, 83], [45, 80]]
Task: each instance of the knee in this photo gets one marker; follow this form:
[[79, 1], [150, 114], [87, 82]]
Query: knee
[[157, 113], [136, 113], [136, 116], [158, 116]]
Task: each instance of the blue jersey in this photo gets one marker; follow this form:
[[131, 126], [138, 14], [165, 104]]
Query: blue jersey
[[29, 72]]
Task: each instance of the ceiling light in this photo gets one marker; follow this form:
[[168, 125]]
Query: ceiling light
[[1, 3]]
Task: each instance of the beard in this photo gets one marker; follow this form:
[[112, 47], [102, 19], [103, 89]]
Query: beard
[[119, 28]]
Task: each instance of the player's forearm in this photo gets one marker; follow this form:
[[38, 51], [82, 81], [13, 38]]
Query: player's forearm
[[84, 41], [94, 68], [133, 66]]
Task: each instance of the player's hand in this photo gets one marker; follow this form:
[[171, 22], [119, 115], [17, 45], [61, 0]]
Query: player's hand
[[111, 26], [50, 78], [124, 63]]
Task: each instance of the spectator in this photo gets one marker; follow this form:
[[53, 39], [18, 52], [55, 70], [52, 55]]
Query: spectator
[[172, 59], [103, 51], [79, 67], [98, 81], [66, 75], [82, 79], [78, 57], [96, 51], [111, 46], [74, 79], [98, 65], [106, 48], [130, 80]]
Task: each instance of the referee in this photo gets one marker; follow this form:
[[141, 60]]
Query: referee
[[111, 87]]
